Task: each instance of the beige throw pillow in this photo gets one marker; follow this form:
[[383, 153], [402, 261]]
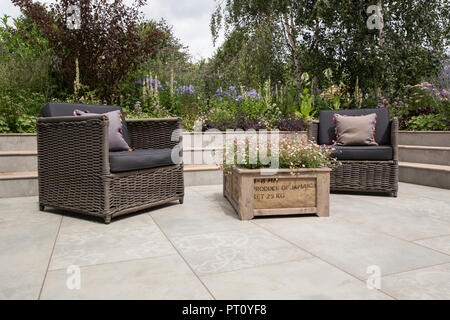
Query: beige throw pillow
[[355, 130]]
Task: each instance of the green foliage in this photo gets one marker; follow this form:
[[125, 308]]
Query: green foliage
[[407, 47], [306, 106], [19, 110], [420, 106], [427, 122], [307, 100], [87, 97], [281, 63], [4, 128], [26, 124], [251, 58], [112, 40], [25, 58], [27, 76]]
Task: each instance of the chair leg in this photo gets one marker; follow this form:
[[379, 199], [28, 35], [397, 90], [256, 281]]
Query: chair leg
[[107, 219], [41, 207], [181, 200], [394, 194]]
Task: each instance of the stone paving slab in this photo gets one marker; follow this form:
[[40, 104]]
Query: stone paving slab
[[154, 278], [441, 244], [25, 251], [305, 279], [84, 242], [237, 249], [391, 217], [427, 283], [201, 250], [353, 248]]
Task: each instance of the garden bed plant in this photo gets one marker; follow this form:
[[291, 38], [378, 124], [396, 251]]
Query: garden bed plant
[[256, 79], [293, 178], [292, 152]]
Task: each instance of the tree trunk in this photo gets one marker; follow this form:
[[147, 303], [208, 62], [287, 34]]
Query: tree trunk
[[288, 28], [380, 44], [315, 81]]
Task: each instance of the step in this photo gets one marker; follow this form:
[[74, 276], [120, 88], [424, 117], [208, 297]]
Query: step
[[22, 184], [26, 160], [18, 141], [28, 141], [16, 161], [201, 156], [424, 138], [18, 184], [425, 174], [425, 154], [199, 175]]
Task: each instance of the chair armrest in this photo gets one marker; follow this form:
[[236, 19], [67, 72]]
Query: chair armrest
[[394, 138], [73, 146], [313, 130], [155, 133]]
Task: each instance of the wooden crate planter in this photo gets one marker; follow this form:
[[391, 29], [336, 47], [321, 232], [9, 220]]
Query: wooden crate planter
[[298, 191]]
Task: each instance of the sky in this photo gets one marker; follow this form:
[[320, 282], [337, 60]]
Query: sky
[[189, 18]]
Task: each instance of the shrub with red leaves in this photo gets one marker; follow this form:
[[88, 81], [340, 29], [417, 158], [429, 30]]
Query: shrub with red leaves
[[112, 40]]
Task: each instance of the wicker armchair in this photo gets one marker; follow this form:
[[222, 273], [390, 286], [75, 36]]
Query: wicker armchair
[[74, 166], [364, 175]]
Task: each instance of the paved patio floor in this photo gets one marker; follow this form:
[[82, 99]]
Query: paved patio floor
[[200, 250]]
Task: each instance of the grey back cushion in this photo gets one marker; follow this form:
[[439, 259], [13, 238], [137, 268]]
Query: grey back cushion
[[62, 109], [327, 134]]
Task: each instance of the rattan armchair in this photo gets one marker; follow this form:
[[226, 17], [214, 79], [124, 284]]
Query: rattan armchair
[[74, 168], [377, 176]]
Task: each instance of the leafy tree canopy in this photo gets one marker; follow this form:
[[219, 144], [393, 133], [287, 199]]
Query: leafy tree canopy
[[112, 39], [407, 45]]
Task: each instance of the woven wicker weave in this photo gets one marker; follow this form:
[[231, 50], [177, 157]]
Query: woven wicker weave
[[74, 172], [364, 176]]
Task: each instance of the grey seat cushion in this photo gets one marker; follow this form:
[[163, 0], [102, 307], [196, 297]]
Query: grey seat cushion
[[140, 159], [62, 109], [363, 153], [327, 133]]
